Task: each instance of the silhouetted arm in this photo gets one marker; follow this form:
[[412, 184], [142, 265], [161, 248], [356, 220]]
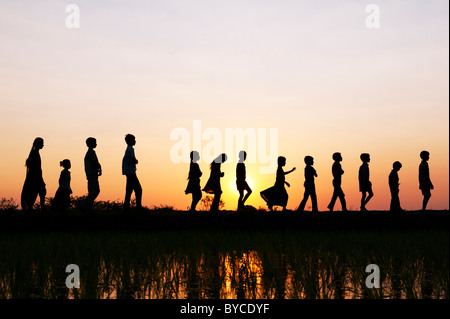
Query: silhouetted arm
[[97, 164], [288, 172]]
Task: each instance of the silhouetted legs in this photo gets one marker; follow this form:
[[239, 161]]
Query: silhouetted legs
[[242, 198], [337, 193], [395, 201], [61, 201], [196, 197], [30, 195], [216, 201], [309, 191], [93, 192], [366, 198], [426, 197], [133, 185]]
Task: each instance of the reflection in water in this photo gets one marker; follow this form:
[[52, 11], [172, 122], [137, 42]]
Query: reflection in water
[[246, 266]]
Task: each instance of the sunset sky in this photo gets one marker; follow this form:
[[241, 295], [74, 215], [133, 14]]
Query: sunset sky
[[313, 70]]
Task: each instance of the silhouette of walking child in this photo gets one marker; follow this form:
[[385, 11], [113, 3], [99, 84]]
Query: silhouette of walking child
[[394, 187], [277, 194], [193, 186], [337, 172], [129, 162], [241, 182], [61, 200], [425, 184], [365, 185], [213, 184], [93, 170], [34, 183], [310, 187]]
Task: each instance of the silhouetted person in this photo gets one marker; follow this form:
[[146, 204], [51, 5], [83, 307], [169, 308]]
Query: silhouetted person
[[61, 200], [213, 184], [241, 182], [93, 170], [34, 183], [129, 162], [425, 184], [337, 172], [277, 194], [394, 187], [365, 185], [193, 186], [310, 187]]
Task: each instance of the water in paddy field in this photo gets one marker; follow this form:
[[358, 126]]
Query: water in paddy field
[[225, 264]]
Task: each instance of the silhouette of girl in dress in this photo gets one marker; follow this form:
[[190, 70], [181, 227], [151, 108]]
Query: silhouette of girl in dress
[[34, 183], [213, 184], [277, 194], [193, 186], [61, 200]]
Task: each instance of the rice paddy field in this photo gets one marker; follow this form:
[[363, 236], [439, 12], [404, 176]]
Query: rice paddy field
[[187, 262]]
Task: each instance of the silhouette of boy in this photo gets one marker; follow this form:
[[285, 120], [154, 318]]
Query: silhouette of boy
[[310, 187], [241, 183], [425, 184], [394, 187], [193, 186], [129, 162], [337, 172], [93, 170], [365, 186]]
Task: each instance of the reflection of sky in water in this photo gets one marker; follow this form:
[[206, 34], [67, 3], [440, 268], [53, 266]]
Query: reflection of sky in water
[[225, 265], [243, 276]]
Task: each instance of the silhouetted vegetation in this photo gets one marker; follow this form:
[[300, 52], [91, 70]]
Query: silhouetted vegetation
[[206, 202], [8, 204]]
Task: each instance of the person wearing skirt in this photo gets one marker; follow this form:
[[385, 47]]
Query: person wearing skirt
[[61, 200], [213, 184], [277, 194], [34, 183]]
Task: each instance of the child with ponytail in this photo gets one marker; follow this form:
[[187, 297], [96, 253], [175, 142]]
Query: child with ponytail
[[62, 196]]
